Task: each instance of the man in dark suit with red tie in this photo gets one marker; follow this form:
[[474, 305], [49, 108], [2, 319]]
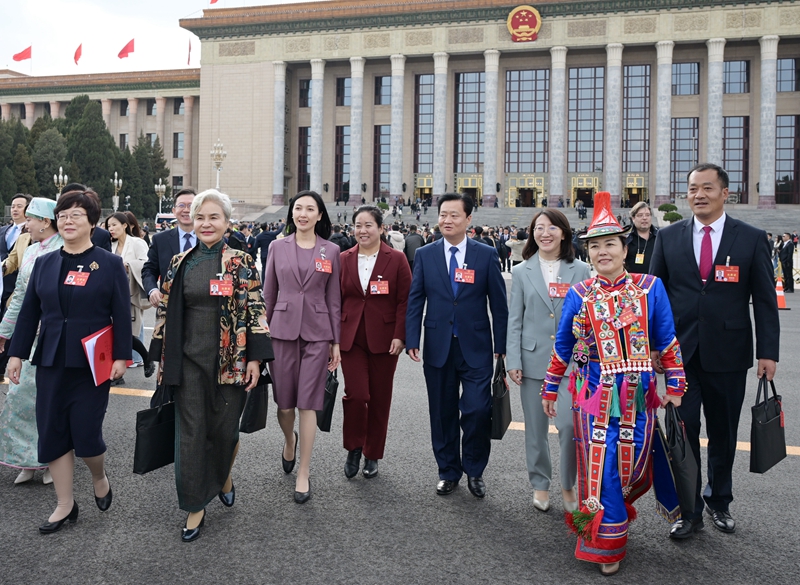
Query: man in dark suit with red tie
[[713, 266]]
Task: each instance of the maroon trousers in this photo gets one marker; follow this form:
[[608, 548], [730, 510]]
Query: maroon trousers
[[368, 380]]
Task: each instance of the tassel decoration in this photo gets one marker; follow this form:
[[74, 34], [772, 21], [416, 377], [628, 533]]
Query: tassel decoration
[[641, 405], [632, 514], [592, 405], [614, 410], [623, 394], [572, 386], [653, 400]]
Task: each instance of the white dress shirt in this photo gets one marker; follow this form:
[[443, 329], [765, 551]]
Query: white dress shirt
[[462, 252], [716, 237], [550, 270], [366, 264]]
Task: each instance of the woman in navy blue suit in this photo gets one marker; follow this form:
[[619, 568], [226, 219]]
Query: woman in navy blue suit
[[74, 293]]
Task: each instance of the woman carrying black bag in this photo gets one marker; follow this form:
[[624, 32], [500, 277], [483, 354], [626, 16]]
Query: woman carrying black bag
[[211, 305]]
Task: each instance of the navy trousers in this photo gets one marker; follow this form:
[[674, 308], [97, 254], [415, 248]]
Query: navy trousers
[[475, 421]]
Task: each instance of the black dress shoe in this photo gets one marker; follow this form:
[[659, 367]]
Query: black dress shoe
[[149, 369], [685, 528], [476, 486], [104, 503], [228, 498], [289, 465], [370, 468], [353, 463], [51, 527], [722, 520], [190, 534], [303, 497], [445, 487]]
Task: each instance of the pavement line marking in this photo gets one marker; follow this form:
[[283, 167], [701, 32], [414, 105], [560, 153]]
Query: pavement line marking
[[132, 392]]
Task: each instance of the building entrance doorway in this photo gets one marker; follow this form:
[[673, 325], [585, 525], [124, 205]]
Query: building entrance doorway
[[585, 195], [633, 196], [527, 198]]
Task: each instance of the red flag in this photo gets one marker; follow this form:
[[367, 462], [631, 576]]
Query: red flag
[[78, 53], [22, 55], [213, 1], [189, 60], [126, 50]]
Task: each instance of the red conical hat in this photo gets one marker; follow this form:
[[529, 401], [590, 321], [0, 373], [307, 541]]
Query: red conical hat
[[603, 222]]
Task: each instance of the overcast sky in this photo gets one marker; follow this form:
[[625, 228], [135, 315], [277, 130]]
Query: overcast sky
[[55, 28]]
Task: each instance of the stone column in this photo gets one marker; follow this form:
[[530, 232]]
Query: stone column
[[663, 121], [55, 110], [30, 112], [490, 153], [396, 145], [716, 55], [161, 109], [133, 134], [106, 104], [317, 81], [278, 131], [766, 163], [439, 123], [356, 126], [188, 118], [612, 123], [5, 111], [558, 123]]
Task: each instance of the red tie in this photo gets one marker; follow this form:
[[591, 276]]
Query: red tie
[[706, 254]]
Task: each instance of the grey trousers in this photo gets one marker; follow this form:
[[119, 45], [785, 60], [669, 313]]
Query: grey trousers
[[537, 442]]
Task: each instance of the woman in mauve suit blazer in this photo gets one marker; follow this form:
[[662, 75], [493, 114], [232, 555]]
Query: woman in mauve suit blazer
[[303, 307], [373, 335], [533, 317]]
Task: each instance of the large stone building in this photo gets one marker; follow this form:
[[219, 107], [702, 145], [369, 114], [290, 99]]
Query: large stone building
[[412, 98]]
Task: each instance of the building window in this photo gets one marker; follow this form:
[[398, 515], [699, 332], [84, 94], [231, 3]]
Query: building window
[[787, 160], [685, 133], [22, 112], [685, 78], [527, 121], [585, 126], [177, 184], [788, 74], [382, 154], [304, 158], [47, 108], [423, 128], [151, 138], [344, 92], [177, 145], [636, 119], [123, 141], [177, 106], [305, 93], [736, 155], [151, 107], [383, 91], [124, 110], [736, 77], [341, 175], [470, 109]]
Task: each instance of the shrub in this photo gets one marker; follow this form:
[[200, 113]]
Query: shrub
[[667, 207], [383, 206], [672, 216]]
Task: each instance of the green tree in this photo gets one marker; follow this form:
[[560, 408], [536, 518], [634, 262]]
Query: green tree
[[160, 171], [49, 154], [72, 114], [8, 186], [40, 126], [24, 171], [73, 172], [131, 184], [6, 147], [93, 150], [19, 132], [143, 155]]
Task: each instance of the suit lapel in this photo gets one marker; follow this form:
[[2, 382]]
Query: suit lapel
[[381, 263], [534, 274], [352, 268], [729, 233], [441, 264], [470, 258], [320, 251], [291, 254], [687, 243], [567, 274]]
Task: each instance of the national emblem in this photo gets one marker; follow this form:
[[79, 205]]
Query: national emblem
[[524, 23]]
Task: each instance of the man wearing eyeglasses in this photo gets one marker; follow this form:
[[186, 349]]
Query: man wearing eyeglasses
[[168, 243]]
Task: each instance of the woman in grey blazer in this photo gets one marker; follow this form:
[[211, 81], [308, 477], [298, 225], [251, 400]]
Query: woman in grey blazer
[[538, 287]]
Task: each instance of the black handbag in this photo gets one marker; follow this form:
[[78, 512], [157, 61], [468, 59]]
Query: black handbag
[[325, 416], [681, 459], [254, 417], [501, 401], [155, 434], [767, 433]]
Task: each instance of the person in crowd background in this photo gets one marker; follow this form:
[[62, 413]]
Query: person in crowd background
[[641, 240]]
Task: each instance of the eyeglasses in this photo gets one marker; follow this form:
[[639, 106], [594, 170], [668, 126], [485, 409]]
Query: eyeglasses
[[553, 229], [183, 206], [74, 216]]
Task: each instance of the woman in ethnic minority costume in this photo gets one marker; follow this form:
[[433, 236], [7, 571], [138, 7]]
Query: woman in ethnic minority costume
[[612, 325]]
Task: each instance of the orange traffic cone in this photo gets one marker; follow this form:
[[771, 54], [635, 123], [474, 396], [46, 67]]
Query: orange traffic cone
[[780, 295]]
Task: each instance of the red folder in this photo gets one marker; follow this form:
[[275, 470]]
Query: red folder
[[99, 349]]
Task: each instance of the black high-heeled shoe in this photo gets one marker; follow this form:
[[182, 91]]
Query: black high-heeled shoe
[[104, 503], [288, 466], [51, 527], [190, 534], [227, 498], [303, 497]]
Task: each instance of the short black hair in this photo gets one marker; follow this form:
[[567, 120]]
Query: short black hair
[[478, 230], [466, 201], [721, 173], [336, 229], [375, 212], [86, 199], [24, 196], [185, 191]]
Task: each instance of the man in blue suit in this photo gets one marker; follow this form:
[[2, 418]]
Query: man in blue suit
[[455, 276]]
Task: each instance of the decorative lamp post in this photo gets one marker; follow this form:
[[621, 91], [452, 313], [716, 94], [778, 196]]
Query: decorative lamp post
[[117, 184], [60, 180], [218, 156], [160, 190]]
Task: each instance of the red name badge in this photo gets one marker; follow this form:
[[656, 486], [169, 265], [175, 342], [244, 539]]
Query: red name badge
[[220, 288], [378, 287], [726, 273], [464, 275], [626, 318], [558, 290], [321, 265], [75, 278]]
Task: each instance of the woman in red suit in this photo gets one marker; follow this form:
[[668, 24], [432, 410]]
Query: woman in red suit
[[375, 284]]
